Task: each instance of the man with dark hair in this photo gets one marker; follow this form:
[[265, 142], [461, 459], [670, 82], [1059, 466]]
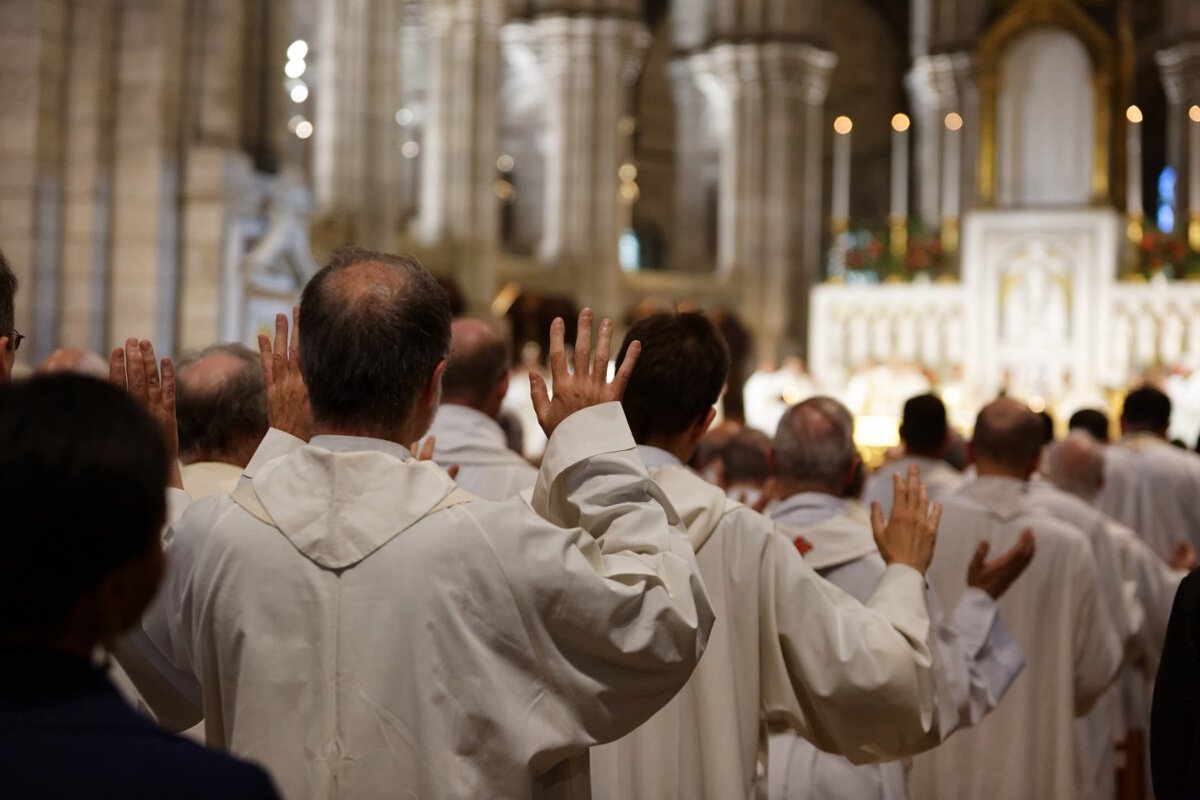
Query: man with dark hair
[[1029, 746], [787, 645], [365, 629], [221, 403], [10, 340], [926, 436], [85, 474], [1091, 420], [816, 463], [1150, 485], [467, 428]]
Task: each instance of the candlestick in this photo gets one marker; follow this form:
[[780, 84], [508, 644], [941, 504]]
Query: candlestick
[[840, 205], [1194, 162], [899, 205], [1133, 146], [951, 180]]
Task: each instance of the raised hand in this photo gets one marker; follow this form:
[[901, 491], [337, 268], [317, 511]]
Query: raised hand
[[910, 533], [994, 577], [424, 452], [135, 369], [287, 396], [1183, 557], [588, 385]]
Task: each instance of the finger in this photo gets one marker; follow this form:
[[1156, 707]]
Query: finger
[[899, 492], [935, 518], [583, 344], [281, 335], [294, 346], [1028, 543], [539, 395], [168, 386], [415, 448], [427, 449], [616, 389], [136, 375], [878, 526], [116, 368], [150, 370], [558, 351], [603, 349], [980, 557], [914, 486], [452, 471], [264, 351]]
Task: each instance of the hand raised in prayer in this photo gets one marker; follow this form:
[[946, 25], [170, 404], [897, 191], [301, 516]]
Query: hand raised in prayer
[[1183, 557], [287, 396], [910, 533], [424, 452], [994, 577], [588, 385], [135, 369]]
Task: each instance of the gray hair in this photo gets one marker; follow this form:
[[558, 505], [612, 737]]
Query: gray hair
[[815, 442], [1076, 464], [219, 418]]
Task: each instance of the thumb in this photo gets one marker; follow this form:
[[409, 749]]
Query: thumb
[[980, 558], [878, 526], [539, 394]]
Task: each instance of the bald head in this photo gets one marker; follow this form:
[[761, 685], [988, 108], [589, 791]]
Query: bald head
[[477, 372], [1076, 465], [374, 329], [1007, 440], [814, 447], [221, 404], [75, 361]]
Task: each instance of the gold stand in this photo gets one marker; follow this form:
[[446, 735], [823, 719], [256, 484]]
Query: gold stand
[[838, 225], [949, 235], [898, 235], [1135, 229]]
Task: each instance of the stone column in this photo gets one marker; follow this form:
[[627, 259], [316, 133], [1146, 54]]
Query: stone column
[[591, 61], [459, 208], [770, 212], [692, 156], [938, 85]]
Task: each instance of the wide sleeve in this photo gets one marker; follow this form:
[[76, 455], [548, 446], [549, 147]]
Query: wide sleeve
[[608, 583], [1175, 717], [1097, 647], [979, 657], [856, 680]]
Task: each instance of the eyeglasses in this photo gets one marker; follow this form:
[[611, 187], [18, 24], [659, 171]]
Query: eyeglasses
[[16, 338]]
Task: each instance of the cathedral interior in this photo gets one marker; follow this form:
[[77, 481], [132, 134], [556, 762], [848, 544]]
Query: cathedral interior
[[178, 168]]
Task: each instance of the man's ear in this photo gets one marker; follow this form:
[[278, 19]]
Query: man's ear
[[432, 393], [1034, 463], [851, 471], [702, 425]]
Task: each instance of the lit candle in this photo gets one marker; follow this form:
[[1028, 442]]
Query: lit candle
[[951, 166], [1194, 162], [1133, 146], [899, 206], [841, 172]]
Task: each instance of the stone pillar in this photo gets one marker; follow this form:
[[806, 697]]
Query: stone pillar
[[770, 211], [591, 61], [938, 85], [692, 156], [459, 208], [1180, 69]]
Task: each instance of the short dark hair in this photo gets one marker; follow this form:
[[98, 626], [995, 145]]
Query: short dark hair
[[923, 425], [1047, 426], [366, 353], [1012, 442], [472, 374], [678, 376], [1147, 409], [8, 294], [216, 420], [1092, 421], [83, 494], [746, 457]]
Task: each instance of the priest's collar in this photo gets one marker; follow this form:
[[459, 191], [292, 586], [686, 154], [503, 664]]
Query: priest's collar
[[654, 457], [354, 444], [808, 508]]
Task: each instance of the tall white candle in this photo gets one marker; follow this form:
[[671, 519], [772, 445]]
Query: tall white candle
[[840, 205], [899, 204], [951, 166], [1194, 162], [1133, 148]]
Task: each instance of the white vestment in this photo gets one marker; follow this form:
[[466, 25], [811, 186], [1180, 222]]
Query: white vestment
[[1027, 747], [787, 645], [939, 477], [375, 639], [978, 654], [475, 443], [206, 478], [1104, 725], [1152, 486]]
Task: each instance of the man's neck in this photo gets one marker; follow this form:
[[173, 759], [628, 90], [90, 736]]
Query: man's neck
[[791, 488], [678, 446], [984, 470], [911, 453], [1130, 432], [404, 437]]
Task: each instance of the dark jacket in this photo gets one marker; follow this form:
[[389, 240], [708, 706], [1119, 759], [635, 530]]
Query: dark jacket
[[1175, 717], [65, 732]]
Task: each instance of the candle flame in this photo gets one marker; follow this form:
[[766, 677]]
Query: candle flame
[[954, 121], [1133, 114], [1194, 113], [900, 123], [843, 125]]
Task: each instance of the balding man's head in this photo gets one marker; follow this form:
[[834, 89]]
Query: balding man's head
[[477, 372], [1076, 465], [374, 329], [76, 361], [1007, 440], [221, 404], [814, 447]]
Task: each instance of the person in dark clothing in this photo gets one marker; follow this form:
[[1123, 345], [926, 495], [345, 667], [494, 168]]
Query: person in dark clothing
[[1175, 715], [82, 504]]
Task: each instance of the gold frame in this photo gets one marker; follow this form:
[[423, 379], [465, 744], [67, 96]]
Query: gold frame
[[1023, 17]]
